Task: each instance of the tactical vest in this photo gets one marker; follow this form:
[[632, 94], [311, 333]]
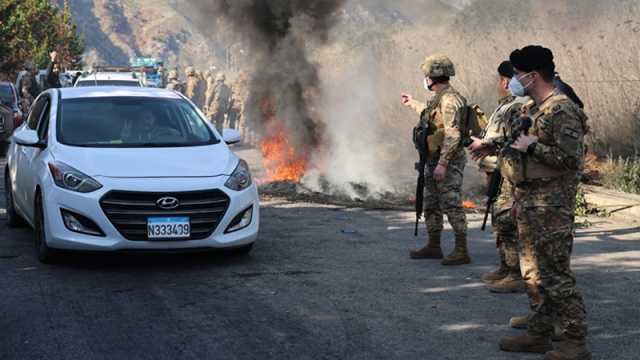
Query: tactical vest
[[432, 115], [519, 167]]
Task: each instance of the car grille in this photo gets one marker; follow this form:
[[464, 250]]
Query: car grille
[[129, 211]]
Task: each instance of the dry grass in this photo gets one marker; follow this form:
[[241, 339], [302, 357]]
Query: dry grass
[[598, 56]]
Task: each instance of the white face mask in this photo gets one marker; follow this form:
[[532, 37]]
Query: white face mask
[[516, 87], [426, 84]]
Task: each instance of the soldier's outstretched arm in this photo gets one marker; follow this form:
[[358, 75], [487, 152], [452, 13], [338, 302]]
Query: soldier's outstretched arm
[[452, 113], [414, 104], [567, 148]]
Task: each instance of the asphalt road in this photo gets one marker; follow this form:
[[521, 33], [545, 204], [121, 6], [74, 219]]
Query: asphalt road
[[322, 283]]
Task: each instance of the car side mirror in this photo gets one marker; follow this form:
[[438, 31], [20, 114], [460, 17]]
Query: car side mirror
[[231, 136], [29, 138]]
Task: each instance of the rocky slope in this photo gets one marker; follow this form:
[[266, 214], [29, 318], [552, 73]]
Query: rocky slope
[[116, 30]]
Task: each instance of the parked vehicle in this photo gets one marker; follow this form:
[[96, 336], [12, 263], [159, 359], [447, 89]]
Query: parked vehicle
[[109, 78], [118, 168]]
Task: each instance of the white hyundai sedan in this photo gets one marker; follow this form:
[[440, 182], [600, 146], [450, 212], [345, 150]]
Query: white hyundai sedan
[[114, 168]]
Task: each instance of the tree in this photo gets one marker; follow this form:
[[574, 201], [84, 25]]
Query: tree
[[31, 29]]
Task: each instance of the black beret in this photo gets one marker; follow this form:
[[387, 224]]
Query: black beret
[[506, 69], [533, 57]]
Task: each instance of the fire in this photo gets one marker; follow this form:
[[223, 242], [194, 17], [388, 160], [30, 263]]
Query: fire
[[281, 160], [468, 204]]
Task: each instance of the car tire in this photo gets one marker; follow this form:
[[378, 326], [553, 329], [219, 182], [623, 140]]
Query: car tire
[[13, 218], [45, 254], [241, 251]]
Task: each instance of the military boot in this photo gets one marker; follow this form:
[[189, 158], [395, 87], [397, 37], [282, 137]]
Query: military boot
[[569, 350], [519, 322], [522, 322], [460, 254], [512, 283], [496, 275], [431, 251], [526, 343]]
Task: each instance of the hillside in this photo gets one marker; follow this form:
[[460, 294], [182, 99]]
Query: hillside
[[116, 30]]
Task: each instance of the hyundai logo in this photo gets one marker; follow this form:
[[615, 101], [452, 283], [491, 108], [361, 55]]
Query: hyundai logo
[[168, 203]]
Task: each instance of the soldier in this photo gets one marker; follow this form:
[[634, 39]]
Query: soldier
[[543, 168], [173, 83], [193, 88], [28, 86], [236, 107], [219, 102], [446, 112], [507, 278], [211, 85]]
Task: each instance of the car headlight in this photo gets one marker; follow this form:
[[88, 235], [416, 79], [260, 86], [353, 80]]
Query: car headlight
[[240, 179], [69, 178]]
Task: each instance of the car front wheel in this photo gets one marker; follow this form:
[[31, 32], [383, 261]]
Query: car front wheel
[[43, 251], [13, 218]]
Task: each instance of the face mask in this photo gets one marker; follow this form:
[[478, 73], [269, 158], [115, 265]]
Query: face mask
[[516, 87], [426, 85]]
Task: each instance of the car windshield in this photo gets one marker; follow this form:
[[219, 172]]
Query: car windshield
[[6, 95], [132, 122], [85, 83]]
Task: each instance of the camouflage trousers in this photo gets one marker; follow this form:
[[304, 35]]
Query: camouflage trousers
[[233, 119], [545, 232], [505, 228], [217, 119], [445, 198]]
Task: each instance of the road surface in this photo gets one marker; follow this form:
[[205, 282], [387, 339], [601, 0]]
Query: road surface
[[323, 282]]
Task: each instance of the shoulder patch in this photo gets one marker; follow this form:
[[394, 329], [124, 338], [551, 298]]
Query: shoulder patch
[[569, 132]]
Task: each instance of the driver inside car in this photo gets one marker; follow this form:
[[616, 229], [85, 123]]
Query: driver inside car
[[145, 128]]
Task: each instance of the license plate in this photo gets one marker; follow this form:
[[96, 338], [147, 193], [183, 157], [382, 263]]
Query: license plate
[[168, 228]]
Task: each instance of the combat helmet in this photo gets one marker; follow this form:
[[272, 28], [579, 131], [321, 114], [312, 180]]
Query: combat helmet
[[173, 75], [190, 71], [220, 77], [438, 65]]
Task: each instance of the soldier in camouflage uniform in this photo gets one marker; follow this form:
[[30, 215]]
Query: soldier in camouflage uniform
[[447, 113], [543, 168], [173, 83], [236, 107], [507, 278], [194, 88], [218, 106]]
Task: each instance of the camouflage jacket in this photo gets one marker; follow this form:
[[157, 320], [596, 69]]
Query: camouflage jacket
[[221, 98], [447, 112], [508, 108], [561, 127]]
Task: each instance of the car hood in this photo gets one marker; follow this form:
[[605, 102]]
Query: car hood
[[199, 161]]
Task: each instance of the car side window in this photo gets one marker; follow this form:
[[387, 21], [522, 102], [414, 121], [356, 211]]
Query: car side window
[[36, 112], [43, 124]]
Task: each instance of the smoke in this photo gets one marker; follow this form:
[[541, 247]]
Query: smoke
[[284, 86]]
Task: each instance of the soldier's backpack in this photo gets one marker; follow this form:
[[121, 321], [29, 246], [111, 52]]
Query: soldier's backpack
[[476, 121]]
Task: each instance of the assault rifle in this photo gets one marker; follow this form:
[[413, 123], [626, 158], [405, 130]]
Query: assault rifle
[[420, 134], [519, 127]]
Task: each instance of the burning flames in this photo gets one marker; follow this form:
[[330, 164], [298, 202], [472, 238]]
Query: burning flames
[[282, 160]]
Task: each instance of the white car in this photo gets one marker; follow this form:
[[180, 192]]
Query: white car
[[115, 168], [109, 79]]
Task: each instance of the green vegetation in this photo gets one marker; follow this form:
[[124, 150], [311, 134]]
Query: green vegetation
[[623, 174], [31, 29]]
